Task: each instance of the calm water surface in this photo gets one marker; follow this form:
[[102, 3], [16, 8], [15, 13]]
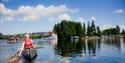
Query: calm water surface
[[71, 51]]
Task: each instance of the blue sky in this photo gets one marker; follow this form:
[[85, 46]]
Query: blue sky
[[19, 16]]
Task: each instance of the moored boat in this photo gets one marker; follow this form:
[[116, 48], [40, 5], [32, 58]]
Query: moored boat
[[12, 40]]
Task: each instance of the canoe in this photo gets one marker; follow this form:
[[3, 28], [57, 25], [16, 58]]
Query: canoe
[[32, 54], [14, 58], [25, 57]]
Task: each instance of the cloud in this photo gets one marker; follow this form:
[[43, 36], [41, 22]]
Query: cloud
[[2, 8], [80, 19], [107, 27], [31, 18], [93, 18], [122, 27], [119, 11], [34, 13], [63, 17]]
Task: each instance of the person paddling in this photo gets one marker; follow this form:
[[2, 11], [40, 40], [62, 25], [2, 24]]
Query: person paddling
[[27, 49], [27, 44]]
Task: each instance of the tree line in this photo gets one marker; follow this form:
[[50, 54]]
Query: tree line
[[68, 29], [36, 35]]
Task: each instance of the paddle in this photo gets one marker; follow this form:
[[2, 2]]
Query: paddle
[[39, 47], [36, 46]]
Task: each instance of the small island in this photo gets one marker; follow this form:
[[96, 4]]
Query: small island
[[72, 29]]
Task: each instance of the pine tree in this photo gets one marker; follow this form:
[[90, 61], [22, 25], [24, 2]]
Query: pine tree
[[98, 31], [118, 29], [93, 29], [79, 30], [123, 32], [84, 29], [67, 29], [88, 29]]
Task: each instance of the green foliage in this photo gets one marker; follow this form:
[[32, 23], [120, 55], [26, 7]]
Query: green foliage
[[1, 36], [98, 31], [118, 29], [66, 29], [111, 31], [79, 30], [123, 32], [91, 29], [84, 29], [88, 29], [36, 36]]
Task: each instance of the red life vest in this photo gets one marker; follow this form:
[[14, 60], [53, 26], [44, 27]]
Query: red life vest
[[28, 43]]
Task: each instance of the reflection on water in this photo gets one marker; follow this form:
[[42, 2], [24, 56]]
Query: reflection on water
[[72, 48], [72, 51], [92, 51], [68, 48]]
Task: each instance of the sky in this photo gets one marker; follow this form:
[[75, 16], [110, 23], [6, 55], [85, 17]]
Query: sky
[[20, 16]]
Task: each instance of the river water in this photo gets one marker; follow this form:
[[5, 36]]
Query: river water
[[71, 51]]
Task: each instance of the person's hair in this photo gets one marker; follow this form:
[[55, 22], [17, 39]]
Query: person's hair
[[26, 35]]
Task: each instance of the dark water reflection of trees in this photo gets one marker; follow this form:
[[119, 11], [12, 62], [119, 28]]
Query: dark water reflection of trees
[[76, 47], [113, 42], [69, 48]]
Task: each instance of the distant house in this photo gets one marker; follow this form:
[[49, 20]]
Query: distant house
[[53, 35]]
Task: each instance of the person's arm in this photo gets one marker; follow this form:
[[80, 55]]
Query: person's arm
[[22, 48]]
